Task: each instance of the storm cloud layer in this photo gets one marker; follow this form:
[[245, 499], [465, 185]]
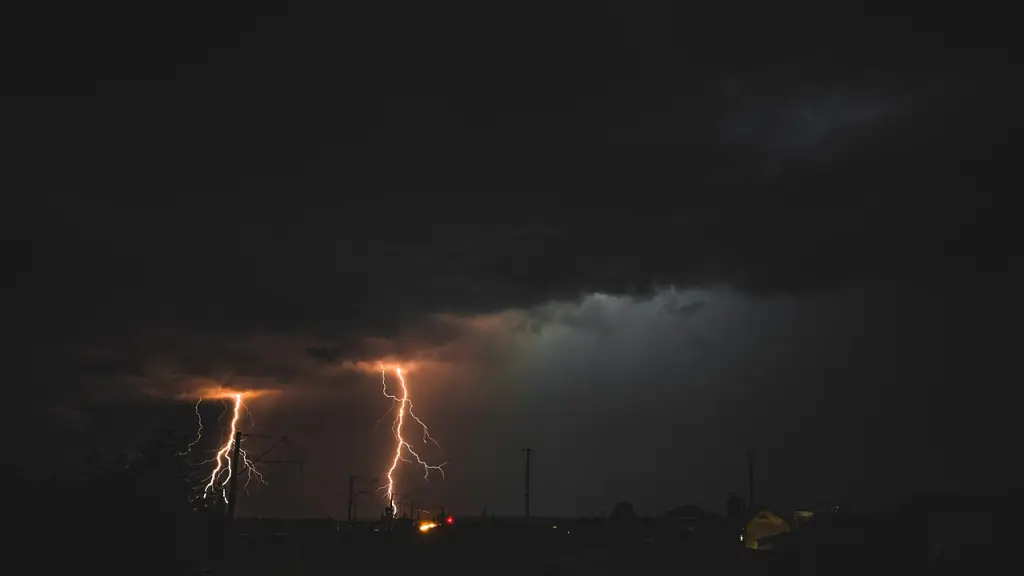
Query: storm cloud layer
[[298, 178], [518, 204]]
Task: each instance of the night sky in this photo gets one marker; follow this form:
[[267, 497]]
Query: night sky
[[637, 239]]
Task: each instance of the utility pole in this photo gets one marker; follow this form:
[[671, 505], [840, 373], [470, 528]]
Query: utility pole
[[236, 460], [391, 511], [233, 481], [232, 490], [526, 491], [351, 496], [229, 516], [354, 494], [750, 478]]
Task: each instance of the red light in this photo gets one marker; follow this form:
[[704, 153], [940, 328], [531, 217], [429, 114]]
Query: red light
[[449, 520]]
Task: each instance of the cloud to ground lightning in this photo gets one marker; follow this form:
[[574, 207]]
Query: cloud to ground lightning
[[402, 446], [217, 482]]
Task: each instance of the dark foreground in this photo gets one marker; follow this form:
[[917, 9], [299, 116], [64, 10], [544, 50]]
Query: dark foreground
[[519, 550], [463, 550]]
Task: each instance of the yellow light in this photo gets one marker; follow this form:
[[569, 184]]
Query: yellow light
[[427, 526]]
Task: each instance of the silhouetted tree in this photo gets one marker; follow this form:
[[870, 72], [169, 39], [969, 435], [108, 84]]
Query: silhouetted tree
[[623, 511], [132, 512]]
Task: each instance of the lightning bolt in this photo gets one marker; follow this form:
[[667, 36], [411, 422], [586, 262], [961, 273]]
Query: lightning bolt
[[217, 482], [402, 446], [199, 430]]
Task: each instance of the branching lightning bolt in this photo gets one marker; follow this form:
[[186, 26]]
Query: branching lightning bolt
[[217, 482], [402, 446], [199, 430]]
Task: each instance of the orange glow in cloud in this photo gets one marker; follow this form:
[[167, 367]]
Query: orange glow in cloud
[[224, 393], [374, 367]]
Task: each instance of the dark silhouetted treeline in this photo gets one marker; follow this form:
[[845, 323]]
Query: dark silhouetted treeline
[[132, 513]]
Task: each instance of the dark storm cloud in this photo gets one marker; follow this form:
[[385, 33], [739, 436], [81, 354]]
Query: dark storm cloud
[[176, 366], [346, 177]]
